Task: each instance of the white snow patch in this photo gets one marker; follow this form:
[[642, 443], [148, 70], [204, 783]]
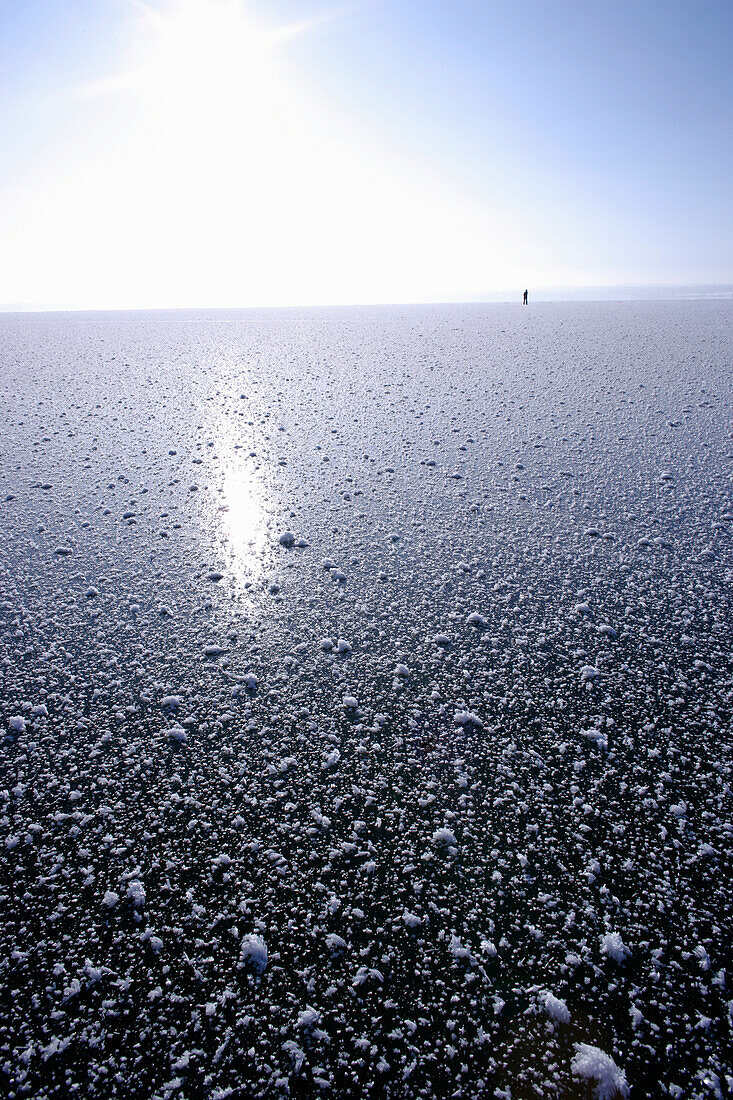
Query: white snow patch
[[331, 760], [444, 836], [254, 952], [474, 619], [308, 1017], [555, 1007], [467, 718], [595, 735], [458, 951], [613, 946], [295, 1053], [136, 893], [592, 1064]]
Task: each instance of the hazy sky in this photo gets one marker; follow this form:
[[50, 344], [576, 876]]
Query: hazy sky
[[265, 152]]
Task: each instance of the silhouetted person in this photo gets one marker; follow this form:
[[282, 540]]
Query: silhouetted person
[[525, 297]]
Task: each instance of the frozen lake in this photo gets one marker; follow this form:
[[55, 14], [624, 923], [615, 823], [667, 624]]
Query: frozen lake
[[365, 695]]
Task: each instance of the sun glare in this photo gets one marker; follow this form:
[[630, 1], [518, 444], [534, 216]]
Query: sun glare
[[204, 59], [242, 520]]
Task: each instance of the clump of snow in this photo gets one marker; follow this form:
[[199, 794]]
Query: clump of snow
[[17, 723], [308, 1017], [331, 760], [613, 946], [444, 836], [295, 1053], [555, 1007], [474, 619], [458, 951], [254, 952], [593, 1064], [136, 893], [110, 899], [596, 736], [467, 718]]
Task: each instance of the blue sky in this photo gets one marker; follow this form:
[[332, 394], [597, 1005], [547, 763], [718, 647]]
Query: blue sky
[[217, 152]]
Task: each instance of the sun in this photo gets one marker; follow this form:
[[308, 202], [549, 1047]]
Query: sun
[[196, 55]]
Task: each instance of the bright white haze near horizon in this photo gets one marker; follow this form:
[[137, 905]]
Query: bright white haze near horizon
[[199, 160]]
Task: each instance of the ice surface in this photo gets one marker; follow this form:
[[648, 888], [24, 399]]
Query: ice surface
[[365, 702]]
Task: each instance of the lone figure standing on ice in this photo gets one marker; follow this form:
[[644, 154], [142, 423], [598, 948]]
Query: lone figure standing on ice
[[525, 297]]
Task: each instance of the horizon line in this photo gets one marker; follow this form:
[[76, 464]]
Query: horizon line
[[546, 295]]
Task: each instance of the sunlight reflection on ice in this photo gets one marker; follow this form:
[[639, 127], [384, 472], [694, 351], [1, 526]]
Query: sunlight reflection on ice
[[243, 519]]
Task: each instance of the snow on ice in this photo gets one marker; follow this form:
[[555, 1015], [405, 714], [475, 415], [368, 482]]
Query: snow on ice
[[365, 688]]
